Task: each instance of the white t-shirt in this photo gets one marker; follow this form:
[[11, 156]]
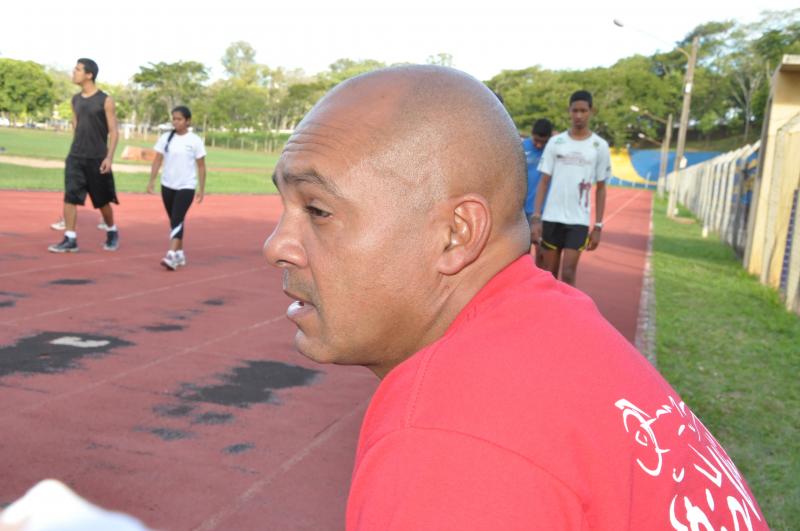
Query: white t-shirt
[[180, 167], [574, 166]]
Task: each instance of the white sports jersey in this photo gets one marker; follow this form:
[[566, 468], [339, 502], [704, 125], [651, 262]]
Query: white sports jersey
[[574, 166], [180, 162]]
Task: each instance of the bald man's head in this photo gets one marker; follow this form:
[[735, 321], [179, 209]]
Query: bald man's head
[[436, 130], [403, 194]]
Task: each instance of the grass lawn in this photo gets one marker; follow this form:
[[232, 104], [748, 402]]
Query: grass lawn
[[732, 351], [231, 171], [14, 177], [55, 145]]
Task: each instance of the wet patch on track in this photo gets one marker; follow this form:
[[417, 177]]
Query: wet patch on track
[[166, 434], [213, 417], [54, 352], [255, 383], [164, 328], [173, 410], [71, 282], [238, 448]]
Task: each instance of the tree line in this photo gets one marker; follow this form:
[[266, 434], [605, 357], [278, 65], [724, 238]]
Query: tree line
[[731, 86]]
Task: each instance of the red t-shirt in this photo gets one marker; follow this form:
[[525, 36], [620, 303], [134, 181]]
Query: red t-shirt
[[533, 412]]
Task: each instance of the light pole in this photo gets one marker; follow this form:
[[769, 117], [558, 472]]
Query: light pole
[[672, 204], [684, 123], [662, 167]]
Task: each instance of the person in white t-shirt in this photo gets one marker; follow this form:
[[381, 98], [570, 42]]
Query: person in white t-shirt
[[572, 162], [183, 155]]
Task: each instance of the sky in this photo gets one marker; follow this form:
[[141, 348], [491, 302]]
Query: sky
[[483, 37]]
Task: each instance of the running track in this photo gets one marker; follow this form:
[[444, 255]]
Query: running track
[[177, 397]]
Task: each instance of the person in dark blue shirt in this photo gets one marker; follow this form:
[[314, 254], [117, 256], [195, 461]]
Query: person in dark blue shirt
[[541, 132]]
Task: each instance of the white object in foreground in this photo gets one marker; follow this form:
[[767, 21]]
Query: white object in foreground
[[52, 506]]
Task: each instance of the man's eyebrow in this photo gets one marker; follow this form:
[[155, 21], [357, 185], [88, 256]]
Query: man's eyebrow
[[310, 177]]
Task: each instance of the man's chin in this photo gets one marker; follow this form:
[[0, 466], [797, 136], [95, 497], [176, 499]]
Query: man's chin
[[312, 349]]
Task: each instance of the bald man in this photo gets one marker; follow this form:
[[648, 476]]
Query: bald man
[[506, 401]]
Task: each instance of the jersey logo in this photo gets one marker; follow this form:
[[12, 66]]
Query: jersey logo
[[726, 496]]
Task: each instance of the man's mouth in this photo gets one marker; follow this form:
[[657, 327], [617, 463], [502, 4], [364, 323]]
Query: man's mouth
[[299, 307]]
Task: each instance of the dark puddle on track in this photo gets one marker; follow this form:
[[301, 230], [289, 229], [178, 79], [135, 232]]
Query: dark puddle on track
[[71, 282], [8, 299], [164, 328], [238, 448], [255, 383], [54, 352], [167, 434]]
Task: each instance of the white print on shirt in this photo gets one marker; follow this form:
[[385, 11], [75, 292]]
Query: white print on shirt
[[711, 462], [573, 158]]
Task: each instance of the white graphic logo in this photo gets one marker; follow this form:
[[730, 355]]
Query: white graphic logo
[[712, 463]]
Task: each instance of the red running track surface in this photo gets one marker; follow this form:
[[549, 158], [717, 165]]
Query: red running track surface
[[177, 396]]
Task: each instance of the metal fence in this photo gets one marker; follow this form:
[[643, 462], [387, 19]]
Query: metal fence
[[753, 206]]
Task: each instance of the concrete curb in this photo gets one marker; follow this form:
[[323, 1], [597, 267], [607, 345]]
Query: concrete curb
[[646, 322]]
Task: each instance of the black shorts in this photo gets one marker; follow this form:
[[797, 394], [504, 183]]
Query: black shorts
[[83, 175], [560, 236]]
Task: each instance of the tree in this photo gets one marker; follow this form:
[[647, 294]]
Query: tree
[[171, 84], [441, 59], [343, 69], [25, 87], [236, 104], [63, 89], [239, 61]]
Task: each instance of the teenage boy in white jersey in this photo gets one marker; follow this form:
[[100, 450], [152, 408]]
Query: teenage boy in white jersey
[[571, 163]]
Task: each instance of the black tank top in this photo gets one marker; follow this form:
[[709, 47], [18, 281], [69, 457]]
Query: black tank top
[[91, 134]]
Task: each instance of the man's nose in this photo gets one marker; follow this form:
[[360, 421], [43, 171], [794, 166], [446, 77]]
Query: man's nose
[[283, 247]]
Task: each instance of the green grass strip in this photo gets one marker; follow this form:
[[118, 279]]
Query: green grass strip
[[730, 348], [13, 177]]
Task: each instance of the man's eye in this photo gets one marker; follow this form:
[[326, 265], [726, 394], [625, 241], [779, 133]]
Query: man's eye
[[316, 212]]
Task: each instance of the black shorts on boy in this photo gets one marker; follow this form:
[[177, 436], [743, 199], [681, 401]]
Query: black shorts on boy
[[82, 176], [562, 236]]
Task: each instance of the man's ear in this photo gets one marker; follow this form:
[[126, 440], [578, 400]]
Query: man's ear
[[469, 221]]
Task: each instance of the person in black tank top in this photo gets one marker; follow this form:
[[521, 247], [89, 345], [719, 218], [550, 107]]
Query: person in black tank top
[[88, 166]]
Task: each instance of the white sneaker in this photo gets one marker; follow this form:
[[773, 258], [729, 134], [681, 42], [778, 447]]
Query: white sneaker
[[169, 262], [59, 225], [180, 260]]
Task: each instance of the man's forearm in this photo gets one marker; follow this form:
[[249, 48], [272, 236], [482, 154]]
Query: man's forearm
[[600, 200], [541, 191], [112, 144]]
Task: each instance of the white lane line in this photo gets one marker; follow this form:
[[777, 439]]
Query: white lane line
[[608, 218]]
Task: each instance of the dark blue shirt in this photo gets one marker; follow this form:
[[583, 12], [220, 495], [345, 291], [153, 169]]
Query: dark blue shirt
[[532, 156]]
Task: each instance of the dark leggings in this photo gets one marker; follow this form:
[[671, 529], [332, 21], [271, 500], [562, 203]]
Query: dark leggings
[[177, 203]]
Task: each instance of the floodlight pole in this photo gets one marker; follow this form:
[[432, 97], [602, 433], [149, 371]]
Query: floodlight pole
[[672, 204], [662, 168]]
